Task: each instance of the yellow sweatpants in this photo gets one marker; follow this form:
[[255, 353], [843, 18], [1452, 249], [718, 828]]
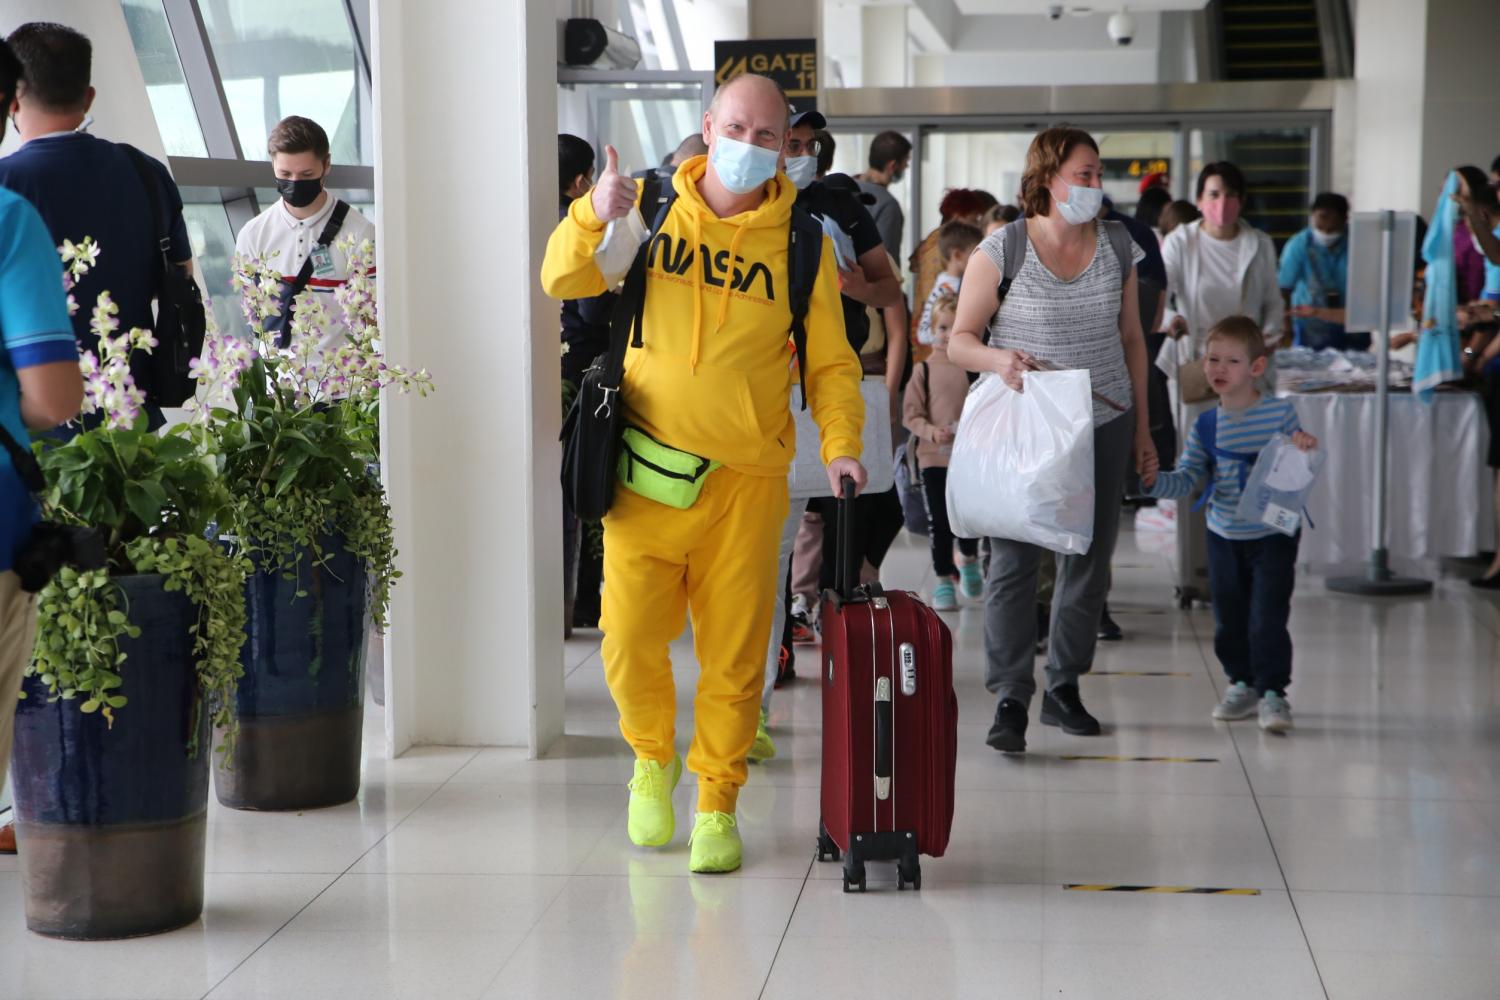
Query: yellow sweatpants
[[717, 560]]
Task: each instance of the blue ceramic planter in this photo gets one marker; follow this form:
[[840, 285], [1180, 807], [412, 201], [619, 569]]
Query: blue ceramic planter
[[301, 702], [112, 821]]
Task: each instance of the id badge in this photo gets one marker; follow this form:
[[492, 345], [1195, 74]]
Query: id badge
[[1283, 520], [322, 258]]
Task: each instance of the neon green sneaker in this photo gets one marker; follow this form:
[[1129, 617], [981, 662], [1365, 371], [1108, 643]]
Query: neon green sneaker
[[763, 748], [716, 843], [651, 823]]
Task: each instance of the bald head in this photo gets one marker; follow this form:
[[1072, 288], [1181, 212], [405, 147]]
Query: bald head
[[754, 93]]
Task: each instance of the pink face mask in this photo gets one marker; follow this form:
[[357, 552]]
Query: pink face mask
[[1223, 212]]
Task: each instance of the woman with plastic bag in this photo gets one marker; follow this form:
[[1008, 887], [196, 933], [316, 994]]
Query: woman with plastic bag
[[1070, 304]]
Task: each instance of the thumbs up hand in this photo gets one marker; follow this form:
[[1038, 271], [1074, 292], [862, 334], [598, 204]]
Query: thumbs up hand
[[614, 194]]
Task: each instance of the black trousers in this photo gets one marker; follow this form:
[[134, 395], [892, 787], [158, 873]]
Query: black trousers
[[939, 531], [877, 522]]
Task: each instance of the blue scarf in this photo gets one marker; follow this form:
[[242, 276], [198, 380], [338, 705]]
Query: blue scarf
[[1439, 356]]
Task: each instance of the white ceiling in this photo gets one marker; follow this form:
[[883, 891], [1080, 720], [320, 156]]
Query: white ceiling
[[983, 7]]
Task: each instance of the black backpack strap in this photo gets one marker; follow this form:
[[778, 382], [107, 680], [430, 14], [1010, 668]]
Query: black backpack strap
[[25, 463], [1013, 239], [630, 308], [804, 257], [153, 201]]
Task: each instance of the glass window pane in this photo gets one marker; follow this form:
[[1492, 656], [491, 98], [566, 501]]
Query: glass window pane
[[290, 57], [213, 246], [165, 85]]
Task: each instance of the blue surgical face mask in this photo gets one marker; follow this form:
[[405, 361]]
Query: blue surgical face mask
[[802, 170], [742, 167], [1083, 204]]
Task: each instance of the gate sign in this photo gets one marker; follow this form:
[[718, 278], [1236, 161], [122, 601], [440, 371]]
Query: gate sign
[[791, 62]]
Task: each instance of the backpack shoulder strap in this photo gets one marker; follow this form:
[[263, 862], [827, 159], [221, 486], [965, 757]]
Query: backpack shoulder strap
[[804, 257], [1014, 235], [1120, 239], [335, 223], [657, 197]]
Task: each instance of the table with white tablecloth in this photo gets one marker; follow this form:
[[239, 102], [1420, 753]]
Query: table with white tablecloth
[[1441, 498]]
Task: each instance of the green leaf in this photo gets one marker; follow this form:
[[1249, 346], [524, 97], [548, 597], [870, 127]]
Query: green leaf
[[142, 504], [90, 706]]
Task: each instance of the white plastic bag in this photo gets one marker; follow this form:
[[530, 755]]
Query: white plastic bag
[[1279, 484], [1023, 463]]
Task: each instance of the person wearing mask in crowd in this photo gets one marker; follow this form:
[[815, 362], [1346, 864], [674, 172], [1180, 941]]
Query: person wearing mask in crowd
[[585, 336], [865, 281], [934, 402], [41, 387], [883, 355], [710, 381], [927, 262], [890, 155], [956, 241], [998, 217], [1217, 267], [306, 224], [1149, 208], [86, 186], [1073, 303], [1314, 276]]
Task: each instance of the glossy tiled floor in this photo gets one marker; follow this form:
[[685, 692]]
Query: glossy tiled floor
[[1372, 833]]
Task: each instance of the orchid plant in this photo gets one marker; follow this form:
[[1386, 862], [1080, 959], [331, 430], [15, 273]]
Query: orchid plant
[[151, 497], [295, 421]]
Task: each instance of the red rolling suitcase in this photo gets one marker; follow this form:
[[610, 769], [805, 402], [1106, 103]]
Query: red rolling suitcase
[[890, 725]]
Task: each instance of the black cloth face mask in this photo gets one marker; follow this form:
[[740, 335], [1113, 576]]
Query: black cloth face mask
[[299, 194]]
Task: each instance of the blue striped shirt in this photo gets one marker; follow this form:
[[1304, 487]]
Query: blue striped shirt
[[1247, 432]]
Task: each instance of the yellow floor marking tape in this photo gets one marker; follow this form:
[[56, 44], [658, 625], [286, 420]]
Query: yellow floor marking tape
[[1110, 759], [1164, 890]]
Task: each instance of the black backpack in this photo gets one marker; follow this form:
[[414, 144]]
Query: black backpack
[[181, 321]]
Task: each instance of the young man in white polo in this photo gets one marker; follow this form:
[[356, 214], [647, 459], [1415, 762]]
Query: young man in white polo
[[298, 236]]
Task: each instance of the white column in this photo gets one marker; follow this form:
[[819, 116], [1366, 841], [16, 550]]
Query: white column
[[780, 19], [466, 172], [883, 62], [122, 111], [1461, 96], [1389, 60]]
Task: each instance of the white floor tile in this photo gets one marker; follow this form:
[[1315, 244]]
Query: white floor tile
[[815, 968], [1173, 972]]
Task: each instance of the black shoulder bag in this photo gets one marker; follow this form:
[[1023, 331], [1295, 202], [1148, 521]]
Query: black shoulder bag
[[180, 319], [299, 283], [51, 545], [591, 432]]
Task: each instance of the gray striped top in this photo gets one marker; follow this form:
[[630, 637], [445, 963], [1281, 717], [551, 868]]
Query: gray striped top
[[1074, 324]]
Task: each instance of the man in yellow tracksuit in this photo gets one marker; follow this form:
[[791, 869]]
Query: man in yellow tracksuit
[[713, 379]]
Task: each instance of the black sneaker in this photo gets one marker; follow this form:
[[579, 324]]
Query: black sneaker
[[1064, 709], [1109, 629], [1008, 734]]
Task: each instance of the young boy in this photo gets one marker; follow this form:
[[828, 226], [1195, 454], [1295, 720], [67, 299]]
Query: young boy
[[1252, 567], [934, 401], [956, 241]]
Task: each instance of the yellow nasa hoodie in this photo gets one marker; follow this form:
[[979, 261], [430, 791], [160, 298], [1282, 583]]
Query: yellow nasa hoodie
[[713, 375]]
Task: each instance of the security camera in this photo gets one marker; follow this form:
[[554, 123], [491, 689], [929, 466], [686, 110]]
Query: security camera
[[1055, 12], [1122, 28]]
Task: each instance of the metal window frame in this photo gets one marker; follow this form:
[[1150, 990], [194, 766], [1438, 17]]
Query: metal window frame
[[227, 168]]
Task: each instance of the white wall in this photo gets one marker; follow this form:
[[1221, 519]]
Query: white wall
[[1027, 50], [1461, 95], [1390, 44], [475, 651], [122, 111]]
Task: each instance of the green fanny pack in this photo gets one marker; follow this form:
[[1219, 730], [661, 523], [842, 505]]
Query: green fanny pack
[[660, 472]]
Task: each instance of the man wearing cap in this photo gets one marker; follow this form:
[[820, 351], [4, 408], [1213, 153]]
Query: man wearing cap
[[866, 278]]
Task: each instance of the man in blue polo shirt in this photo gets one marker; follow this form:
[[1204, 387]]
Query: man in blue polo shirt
[[1314, 277], [86, 186], [40, 387]]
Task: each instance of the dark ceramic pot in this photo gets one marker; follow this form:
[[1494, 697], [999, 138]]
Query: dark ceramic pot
[[111, 821], [300, 704]]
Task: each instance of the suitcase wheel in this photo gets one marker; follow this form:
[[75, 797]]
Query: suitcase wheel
[[909, 875], [854, 874], [827, 849]]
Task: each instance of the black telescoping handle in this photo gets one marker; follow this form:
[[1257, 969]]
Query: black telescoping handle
[[846, 573], [884, 739]]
